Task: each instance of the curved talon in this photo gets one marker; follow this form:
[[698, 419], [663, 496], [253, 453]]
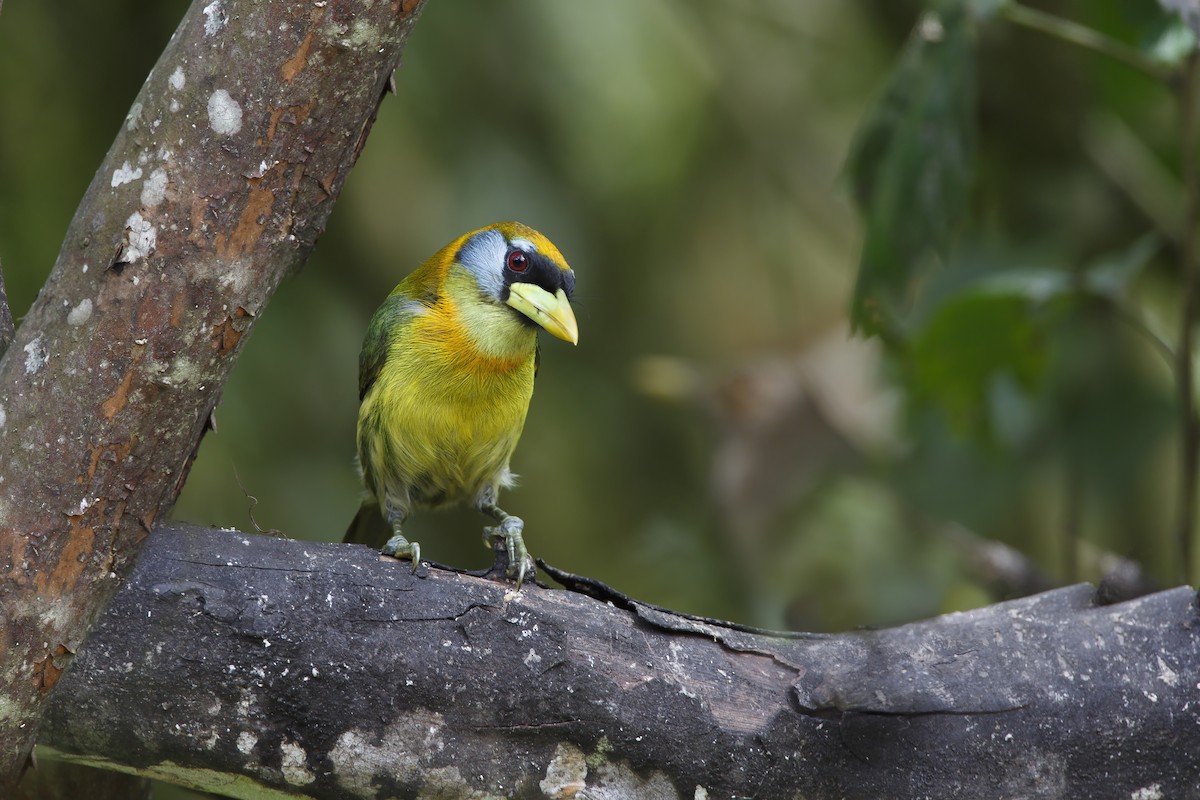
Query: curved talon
[[399, 547], [519, 560]]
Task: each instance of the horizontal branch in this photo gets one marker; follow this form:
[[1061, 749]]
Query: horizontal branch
[[236, 662]]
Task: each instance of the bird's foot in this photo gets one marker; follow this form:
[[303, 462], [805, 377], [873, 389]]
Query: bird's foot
[[508, 533], [399, 547]]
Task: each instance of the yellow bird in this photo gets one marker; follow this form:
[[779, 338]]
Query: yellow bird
[[445, 377]]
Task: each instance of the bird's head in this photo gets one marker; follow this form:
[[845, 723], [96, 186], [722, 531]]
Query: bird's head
[[516, 267]]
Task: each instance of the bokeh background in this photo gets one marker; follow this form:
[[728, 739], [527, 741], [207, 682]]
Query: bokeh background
[[721, 441]]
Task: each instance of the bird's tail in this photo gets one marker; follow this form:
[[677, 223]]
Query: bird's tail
[[368, 527]]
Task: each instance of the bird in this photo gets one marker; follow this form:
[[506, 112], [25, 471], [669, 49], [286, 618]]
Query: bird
[[445, 378]]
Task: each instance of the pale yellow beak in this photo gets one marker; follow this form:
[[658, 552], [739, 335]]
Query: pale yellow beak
[[551, 311]]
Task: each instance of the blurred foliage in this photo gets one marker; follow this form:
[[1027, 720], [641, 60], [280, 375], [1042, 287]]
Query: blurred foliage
[[911, 201], [720, 442], [1028, 347]]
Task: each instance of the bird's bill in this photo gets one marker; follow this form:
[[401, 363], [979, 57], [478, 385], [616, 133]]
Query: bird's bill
[[551, 311]]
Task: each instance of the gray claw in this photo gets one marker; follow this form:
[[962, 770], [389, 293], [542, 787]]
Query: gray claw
[[519, 560], [399, 547]]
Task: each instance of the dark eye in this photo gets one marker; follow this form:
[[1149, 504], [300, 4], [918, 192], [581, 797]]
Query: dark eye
[[518, 261]]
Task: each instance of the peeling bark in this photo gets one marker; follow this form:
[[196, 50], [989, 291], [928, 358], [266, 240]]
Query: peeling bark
[[241, 663], [216, 187]]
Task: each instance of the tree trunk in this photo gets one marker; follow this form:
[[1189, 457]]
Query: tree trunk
[[236, 662], [216, 187]]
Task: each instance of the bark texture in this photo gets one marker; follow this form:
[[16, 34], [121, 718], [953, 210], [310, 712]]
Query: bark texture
[[216, 187], [243, 663]]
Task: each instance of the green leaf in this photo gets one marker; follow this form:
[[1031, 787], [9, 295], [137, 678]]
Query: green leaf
[[1173, 43], [912, 163], [975, 352], [1187, 11], [1165, 30], [1108, 277]]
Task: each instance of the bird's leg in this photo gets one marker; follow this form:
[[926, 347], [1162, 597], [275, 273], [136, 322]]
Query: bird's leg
[[508, 532], [398, 546]]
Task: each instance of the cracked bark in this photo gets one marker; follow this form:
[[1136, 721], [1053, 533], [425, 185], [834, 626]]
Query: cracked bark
[[236, 662], [215, 188]]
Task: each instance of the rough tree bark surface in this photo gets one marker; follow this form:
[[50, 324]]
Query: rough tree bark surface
[[244, 663], [216, 187]]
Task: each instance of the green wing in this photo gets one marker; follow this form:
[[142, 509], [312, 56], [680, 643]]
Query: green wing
[[396, 310]]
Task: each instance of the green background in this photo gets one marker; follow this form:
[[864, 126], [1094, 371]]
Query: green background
[[719, 442]]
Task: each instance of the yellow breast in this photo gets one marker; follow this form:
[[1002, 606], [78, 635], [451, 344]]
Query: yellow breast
[[442, 419]]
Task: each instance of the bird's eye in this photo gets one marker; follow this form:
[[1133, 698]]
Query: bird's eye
[[518, 261]]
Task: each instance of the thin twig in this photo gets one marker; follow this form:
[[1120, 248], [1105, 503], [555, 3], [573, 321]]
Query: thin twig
[[1070, 31], [1190, 273], [1072, 522], [250, 509]]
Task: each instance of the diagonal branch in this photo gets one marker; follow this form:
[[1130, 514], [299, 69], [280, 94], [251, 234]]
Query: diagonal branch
[[217, 186], [246, 664]]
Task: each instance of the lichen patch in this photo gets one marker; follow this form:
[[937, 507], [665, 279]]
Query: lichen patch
[[401, 751], [618, 780], [36, 356], [566, 773], [246, 742], [126, 173], [214, 18], [294, 764], [224, 113], [154, 189], [80, 313], [134, 118], [141, 238]]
